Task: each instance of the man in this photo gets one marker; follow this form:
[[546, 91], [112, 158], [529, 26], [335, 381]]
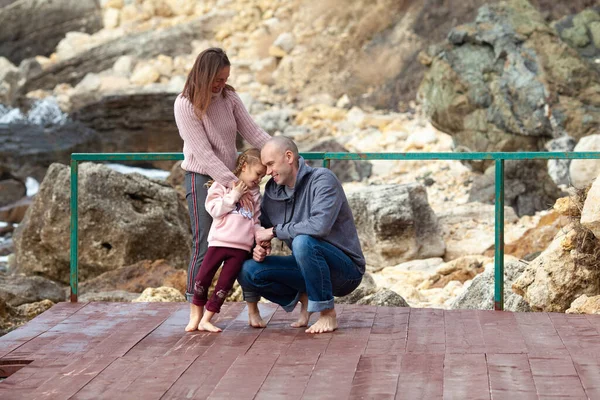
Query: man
[[306, 208]]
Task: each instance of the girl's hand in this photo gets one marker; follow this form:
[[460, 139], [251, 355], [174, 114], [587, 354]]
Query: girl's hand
[[246, 201], [240, 189]]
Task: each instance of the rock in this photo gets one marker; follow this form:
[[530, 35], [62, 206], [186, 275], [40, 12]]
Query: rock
[[585, 305], [395, 223], [160, 294], [144, 45], [283, 45], [479, 295], [469, 228], [123, 219], [559, 169], [367, 287], [527, 187], [561, 273], [502, 82], [34, 27], [11, 190], [145, 75], [274, 120], [112, 295], [590, 215], [582, 32], [123, 66], [428, 265], [581, 171], [15, 212], [131, 122], [9, 78], [345, 170], [16, 290], [137, 277], [32, 310], [461, 270], [384, 298]]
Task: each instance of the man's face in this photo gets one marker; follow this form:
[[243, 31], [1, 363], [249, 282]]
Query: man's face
[[279, 164]]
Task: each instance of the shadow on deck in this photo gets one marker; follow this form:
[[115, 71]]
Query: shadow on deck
[[140, 350]]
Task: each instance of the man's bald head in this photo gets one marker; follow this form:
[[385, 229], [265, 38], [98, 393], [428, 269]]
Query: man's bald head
[[280, 156], [282, 144]]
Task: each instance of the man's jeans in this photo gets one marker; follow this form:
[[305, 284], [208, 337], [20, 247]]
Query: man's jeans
[[315, 267]]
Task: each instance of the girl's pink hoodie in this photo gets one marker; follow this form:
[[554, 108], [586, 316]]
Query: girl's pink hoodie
[[232, 226]]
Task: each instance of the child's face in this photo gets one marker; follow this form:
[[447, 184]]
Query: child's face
[[251, 175]]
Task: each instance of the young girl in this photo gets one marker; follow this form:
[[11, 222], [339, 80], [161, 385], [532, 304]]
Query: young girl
[[230, 238]]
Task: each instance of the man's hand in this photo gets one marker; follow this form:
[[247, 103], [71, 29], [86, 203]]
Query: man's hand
[[259, 253], [263, 235]]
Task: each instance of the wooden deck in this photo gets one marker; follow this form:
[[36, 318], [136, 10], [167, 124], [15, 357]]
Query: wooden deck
[[140, 351]]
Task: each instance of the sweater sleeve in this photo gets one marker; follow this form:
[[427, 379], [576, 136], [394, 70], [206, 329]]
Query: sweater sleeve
[[219, 202], [246, 126], [195, 137], [256, 199], [326, 205]]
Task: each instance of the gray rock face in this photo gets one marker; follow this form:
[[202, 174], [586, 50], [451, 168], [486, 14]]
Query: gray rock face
[[11, 190], [527, 187], [34, 27], [16, 290], [123, 219], [559, 169], [497, 84], [480, 294], [582, 32], [345, 170], [385, 298], [172, 41], [396, 224], [366, 288]]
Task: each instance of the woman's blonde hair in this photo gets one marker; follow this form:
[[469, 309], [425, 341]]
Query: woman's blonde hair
[[199, 82], [250, 156]]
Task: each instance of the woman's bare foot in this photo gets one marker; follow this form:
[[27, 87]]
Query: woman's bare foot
[[304, 314], [195, 317], [327, 322], [205, 324], [254, 318]]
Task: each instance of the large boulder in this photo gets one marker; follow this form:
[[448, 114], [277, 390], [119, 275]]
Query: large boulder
[[395, 223], [582, 172], [527, 187], [123, 219], [567, 269], [507, 82], [582, 32], [479, 295], [345, 170], [16, 290], [34, 27]]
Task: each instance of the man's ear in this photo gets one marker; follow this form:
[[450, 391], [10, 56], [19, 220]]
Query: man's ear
[[289, 156]]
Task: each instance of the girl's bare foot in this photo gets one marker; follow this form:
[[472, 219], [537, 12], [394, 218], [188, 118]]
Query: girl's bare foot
[[254, 318], [195, 317], [205, 324], [304, 314], [327, 322]]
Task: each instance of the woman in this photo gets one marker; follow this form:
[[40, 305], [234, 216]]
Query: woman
[[208, 114]]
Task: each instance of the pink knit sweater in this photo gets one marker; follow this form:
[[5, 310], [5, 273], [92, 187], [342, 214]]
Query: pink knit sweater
[[209, 143]]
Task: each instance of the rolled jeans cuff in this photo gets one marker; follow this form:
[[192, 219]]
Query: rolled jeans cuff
[[189, 297], [250, 297], [290, 307], [318, 306]]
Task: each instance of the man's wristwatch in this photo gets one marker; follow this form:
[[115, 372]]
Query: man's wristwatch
[[274, 232]]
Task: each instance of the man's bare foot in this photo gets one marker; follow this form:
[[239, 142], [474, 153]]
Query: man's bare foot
[[195, 317], [304, 314], [327, 322], [254, 318]]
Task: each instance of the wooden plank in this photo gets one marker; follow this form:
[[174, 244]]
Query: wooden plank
[[540, 337], [288, 377], [554, 376], [510, 377], [466, 377], [332, 377], [376, 377], [501, 332], [421, 376], [463, 332], [426, 331], [244, 378]]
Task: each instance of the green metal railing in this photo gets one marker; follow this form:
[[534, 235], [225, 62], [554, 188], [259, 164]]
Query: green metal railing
[[498, 158]]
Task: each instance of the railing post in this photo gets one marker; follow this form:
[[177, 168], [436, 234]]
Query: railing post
[[326, 162], [499, 238], [74, 240]]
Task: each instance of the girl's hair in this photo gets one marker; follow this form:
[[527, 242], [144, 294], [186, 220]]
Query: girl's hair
[[250, 156], [199, 82]]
